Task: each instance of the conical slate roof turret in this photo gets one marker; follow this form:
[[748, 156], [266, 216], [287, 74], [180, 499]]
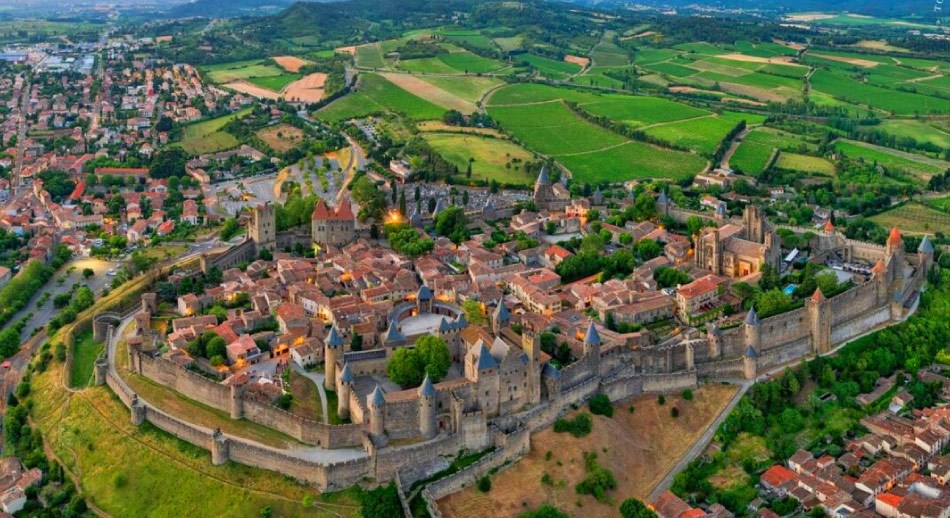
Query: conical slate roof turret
[[543, 178], [333, 338], [485, 359], [501, 313], [426, 389], [376, 399], [346, 376], [926, 247], [591, 337]]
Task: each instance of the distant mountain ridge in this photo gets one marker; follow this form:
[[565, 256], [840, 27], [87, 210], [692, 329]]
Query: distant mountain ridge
[[228, 8], [923, 8]]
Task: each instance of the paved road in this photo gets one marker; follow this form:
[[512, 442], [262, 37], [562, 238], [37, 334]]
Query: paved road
[[43, 314], [317, 378], [309, 453]]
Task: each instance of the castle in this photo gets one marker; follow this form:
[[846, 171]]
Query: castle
[[738, 251], [331, 226], [501, 386]]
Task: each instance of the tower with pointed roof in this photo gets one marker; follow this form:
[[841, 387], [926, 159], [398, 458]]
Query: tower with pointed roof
[[427, 400], [714, 339], [482, 369], [592, 348], [500, 317], [343, 391], [377, 412], [894, 256], [550, 195], [335, 226], [818, 310], [752, 329], [332, 349]]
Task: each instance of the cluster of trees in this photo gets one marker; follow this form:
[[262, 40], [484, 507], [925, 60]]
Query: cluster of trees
[[598, 479], [560, 353], [408, 241], [669, 277], [17, 293], [170, 162], [619, 264], [57, 183], [475, 120], [371, 199], [209, 346], [82, 299], [453, 224], [409, 366]]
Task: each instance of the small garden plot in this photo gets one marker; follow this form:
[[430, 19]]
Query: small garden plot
[[805, 163]]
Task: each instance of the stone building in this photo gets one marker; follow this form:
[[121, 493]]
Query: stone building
[[263, 227], [550, 195], [333, 226], [739, 250]]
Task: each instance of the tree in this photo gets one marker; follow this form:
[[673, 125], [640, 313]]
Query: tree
[[648, 249], [409, 366], [88, 272], [633, 508], [452, 223], [473, 312], [229, 229], [644, 207], [168, 163]]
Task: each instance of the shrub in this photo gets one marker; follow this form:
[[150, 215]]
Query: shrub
[[598, 480], [578, 427], [661, 400], [675, 412], [631, 409], [484, 484], [119, 480], [547, 480], [600, 405], [688, 395]]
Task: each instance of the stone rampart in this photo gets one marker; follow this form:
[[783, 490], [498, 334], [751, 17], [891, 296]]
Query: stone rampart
[[784, 328], [508, 448], [192, 385], [417, 461], [853, 302]]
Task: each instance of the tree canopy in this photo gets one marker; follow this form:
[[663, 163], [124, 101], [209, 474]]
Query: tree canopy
[[409, 365]]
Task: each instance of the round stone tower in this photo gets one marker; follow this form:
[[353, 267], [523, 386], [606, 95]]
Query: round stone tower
[[332, 346], [343, 392], [427, 399], [377, 410]]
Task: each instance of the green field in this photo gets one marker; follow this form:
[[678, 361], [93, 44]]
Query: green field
[[234, 71], [550, 68], [607, 54], [491, 156], [207, 136], [470, 88], [140, 471], [534, 93], [753, 153], [509, 44], [457, 61], [637, 111], [917, 130], [805, 164], [842, 87], [469, 37], [591, 153], [702, 134], [274, 83], [916, 218], [369, 55], [376, 95], [890, 160], [85, 351]]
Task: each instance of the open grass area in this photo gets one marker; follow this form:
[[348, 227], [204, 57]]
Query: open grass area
[[839, 86], [590, 152], [919, 131], [457, 61], [469, 88], [306, 402], [702, 134], [207, 136], [234, 71], [275, 83], [637, 111], [548, 67], [495, 159], [891, 159], [805, 163], [639, 447], [370, 55], [915, 217], [164, 251], [85, 351], [377, 95], [757, 146], [142, 471], [281, 137]]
